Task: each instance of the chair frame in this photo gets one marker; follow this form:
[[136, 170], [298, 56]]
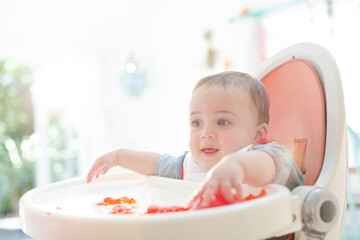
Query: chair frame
[[333, 175]]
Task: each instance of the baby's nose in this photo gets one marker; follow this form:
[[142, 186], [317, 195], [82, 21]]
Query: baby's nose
[[208, 133]]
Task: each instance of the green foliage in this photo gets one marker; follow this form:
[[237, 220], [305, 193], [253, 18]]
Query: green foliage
[[19, 145], [63, 146], [17, 140]]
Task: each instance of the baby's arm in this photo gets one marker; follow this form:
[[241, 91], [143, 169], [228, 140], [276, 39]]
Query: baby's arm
[[255, 168], [141, 162]]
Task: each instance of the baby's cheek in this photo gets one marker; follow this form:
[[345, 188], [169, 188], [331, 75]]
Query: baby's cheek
[[193, 144], [235, 144]]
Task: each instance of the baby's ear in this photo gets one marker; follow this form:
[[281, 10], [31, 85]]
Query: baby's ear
[[261, 131]]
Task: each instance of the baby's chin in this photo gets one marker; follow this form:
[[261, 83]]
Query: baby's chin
[[207, 163]]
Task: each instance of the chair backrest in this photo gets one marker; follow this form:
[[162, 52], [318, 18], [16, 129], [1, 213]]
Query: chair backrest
[[329, 108], [297, 114]]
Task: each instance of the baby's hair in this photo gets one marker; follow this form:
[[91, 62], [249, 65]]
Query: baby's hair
[[232, 79]]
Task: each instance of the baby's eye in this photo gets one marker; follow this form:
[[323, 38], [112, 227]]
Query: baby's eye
[[196, 123], [223, 122]]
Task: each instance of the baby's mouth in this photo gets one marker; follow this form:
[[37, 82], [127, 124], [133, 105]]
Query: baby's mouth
[[209, 152]]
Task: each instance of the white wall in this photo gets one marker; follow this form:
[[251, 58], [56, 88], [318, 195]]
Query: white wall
[[78, 50]]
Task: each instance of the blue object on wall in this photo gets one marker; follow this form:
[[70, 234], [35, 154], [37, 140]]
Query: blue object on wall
[[132, 79]]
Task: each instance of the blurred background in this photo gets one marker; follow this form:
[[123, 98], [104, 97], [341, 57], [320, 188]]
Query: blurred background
[[79, 78]]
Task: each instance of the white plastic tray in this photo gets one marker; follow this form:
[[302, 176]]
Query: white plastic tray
[[80, 218]]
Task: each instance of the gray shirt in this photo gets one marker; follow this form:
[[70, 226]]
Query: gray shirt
[[287, 172]]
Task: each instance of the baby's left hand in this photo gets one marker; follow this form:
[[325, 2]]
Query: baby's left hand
[[226, 177]]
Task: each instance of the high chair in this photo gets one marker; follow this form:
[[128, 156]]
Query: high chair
[[306, 115]]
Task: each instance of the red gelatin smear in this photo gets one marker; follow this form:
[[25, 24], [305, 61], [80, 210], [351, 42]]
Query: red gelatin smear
[[158, 209], [219, 200]]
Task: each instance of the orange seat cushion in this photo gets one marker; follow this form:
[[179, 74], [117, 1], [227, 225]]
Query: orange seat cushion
[[297, 114]]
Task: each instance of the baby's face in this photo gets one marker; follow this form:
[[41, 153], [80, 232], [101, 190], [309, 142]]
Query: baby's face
[[220, 123]]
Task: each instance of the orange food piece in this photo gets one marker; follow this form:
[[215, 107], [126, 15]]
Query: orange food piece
[[112, 201], [250, 196], [125, 199], [108, 199], [121, 209]]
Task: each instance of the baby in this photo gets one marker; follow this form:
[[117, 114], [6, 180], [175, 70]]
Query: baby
[[229, 116]]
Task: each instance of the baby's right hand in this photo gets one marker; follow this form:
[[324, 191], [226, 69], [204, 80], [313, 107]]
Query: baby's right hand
[[102, 165], [225, 178]]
